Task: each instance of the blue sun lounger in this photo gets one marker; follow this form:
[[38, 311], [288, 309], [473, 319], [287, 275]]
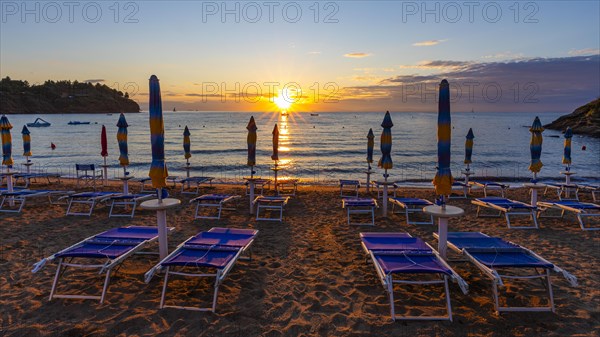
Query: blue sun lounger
[[489, 186], [217, 250], [580, 209], [27, 177], [103, 251], [509, 208], [144, 181], [395, 254], [83, 203], [563, 191], [349, 186], [412, 205], [495, 256], [127, 202], [19, 196], [589, 188], [272, 204], [194, 180], [208, 201], [356, 206]]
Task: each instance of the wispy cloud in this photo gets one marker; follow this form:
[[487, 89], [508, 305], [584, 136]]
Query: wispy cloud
[[428, 43], [504, 55], [357, 55], [314, 53], [94, 81], [438, 64], [586, 51]]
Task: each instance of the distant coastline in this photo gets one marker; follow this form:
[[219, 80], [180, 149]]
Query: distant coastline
[[62, 97]]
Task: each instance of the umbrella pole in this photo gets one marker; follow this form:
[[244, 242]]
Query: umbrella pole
[[385, 194], [125, 181], [251, 188], [105, 169], [369, 179], [276, 192]]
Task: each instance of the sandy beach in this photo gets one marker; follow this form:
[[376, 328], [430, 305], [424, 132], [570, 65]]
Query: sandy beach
[[308, 277]]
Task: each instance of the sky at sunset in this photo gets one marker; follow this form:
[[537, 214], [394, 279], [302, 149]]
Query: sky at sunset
[[314, 56]]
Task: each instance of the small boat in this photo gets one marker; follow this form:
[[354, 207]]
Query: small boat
[[77, 123], [38, 123], [174, 110], [314, 114]]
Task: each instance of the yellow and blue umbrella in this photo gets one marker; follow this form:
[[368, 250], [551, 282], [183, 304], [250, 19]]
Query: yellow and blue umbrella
[[158, 169], [251, 140], [469, 147], [275, 155], [535, 146], [26, 142], [5, 127], [122, 140], [187, 144], [567, 152], [385, 162], [370, 146], [443, 179]]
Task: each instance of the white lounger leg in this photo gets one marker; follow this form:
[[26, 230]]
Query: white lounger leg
[[164, 290]]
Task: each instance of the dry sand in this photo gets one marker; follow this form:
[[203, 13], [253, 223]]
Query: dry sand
[[308, 277]]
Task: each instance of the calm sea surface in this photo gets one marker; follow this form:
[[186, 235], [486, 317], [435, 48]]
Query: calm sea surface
[[317, 149]]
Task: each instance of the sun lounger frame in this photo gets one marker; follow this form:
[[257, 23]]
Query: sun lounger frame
[[351, 186], [463, 186], [563, 191], [379, 188], [27, 177], [19, 198], [124, 201], [194, 180], [258, 182], [497, 277], [270, 204], [489, 185], [363, 206], [410, 208], [287, 187], [579, 213], [388, 281], [202, 203], [89, 202], [508, 212], [106, 267], [219, 275], [592, 189]]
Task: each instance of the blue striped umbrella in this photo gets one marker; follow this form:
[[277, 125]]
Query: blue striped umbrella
[[187, 144], [567, 152], [251, 140], [122, 140], [469, 147], [370, 146], [158, 169], [5, 127], [443, 179], [26, 142], [385, 162], [535, 146]]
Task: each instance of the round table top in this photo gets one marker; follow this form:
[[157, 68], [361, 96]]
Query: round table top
[[165, 204], [28, 163], [104, 165], [467, 173], [536, 185], [568, 173], [448, 212], [369, 171], [8, 173], [126, 178]]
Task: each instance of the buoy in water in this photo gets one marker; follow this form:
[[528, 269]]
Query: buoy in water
[[583, 148], [52, 146]]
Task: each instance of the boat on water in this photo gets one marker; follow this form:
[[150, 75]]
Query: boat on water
[[77, 123], [38, 123], [314, 114]]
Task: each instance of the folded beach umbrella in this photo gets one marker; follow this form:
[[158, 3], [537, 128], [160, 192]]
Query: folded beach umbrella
[[187, 146], [158, 169], [275, 155], [122, 140], [535, 146], [26, 142], [370, 146], [469, 147], [567, 152], [251, 140], [443, 179], [103, 143], [385, 162], [5, 127]]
